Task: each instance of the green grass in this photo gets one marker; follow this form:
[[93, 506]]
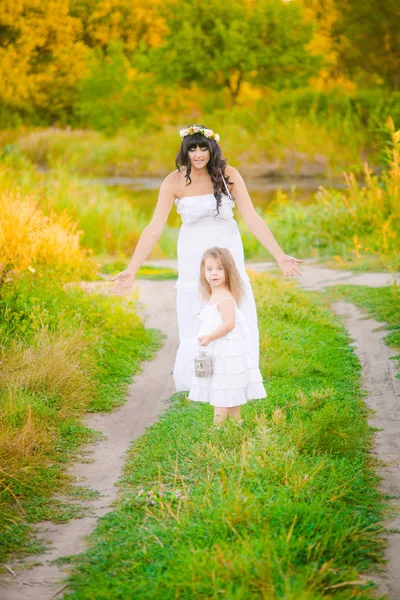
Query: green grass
[[115, 344], [284, 507], [145, 272]]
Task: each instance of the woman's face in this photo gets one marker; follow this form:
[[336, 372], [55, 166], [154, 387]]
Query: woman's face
[[198, 156]]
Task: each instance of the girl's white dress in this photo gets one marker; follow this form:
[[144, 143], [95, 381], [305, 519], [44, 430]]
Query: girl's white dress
[[236, 376], [202, 228]]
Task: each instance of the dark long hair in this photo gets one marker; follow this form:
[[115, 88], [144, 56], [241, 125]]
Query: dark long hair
[[215, 166]]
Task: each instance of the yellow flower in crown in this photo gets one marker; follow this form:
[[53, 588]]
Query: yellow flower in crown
[[208, 133]]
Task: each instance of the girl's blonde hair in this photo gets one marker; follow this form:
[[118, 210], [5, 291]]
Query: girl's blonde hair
[[233, 281]]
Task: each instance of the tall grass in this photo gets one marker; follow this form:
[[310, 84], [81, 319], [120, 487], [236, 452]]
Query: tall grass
[[63, 352], [268, 132], [108, 222], [280, 147], [44, 386], [30, 239], [363, 220], [359, 225]]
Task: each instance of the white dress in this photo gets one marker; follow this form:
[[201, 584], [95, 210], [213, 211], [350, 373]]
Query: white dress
[[200, 231], [236, 376]]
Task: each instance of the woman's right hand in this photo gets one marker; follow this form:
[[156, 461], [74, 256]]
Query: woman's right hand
[[123, 283]]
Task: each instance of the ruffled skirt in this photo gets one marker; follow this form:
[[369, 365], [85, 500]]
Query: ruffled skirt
[[236, 376]]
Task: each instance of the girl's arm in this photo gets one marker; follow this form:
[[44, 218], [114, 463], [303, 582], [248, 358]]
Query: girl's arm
[[227, 310], [258, 226], [149, 236]]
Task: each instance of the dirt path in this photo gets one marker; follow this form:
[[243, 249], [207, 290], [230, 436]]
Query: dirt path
[[314, 276], [383, 387], [147, 396], [379, 379]]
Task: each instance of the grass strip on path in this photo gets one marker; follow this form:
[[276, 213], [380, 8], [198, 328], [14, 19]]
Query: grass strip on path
[[285, 506], [145, 272]]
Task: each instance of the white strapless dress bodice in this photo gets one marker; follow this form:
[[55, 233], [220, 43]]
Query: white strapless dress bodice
[[195, 208], [202, 228]]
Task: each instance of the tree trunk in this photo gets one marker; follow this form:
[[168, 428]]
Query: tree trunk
[[234, 89]]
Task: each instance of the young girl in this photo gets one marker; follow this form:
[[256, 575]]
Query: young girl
[[224, 330]]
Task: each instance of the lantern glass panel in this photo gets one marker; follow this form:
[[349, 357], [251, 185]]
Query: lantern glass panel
[[203, 365]]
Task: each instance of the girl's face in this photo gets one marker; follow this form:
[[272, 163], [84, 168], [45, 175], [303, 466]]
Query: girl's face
[[214, 272], [198, 156]]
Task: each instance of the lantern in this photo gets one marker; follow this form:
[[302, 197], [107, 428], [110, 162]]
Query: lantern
[[203, 364]]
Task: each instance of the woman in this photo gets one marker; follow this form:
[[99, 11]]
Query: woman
[[199, 187]]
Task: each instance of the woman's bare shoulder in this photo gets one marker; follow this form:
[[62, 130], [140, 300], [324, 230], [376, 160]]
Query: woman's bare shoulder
[[232, 172], [172, 182], [172, 177]]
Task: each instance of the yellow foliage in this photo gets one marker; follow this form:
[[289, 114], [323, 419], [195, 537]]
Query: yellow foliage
[[28, 238], [324, 15], [45, 45], [112, 20], [42, 56]]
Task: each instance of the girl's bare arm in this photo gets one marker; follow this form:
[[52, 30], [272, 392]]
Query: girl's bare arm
[[227, 310]]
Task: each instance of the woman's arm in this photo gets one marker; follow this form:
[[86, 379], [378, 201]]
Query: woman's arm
[[149, 235], [258, 226]]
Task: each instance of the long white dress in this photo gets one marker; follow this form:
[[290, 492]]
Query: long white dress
[[201, 229], [236, 376]]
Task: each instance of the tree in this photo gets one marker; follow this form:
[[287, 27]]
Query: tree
[[41, 57], [325, 41], [370, 39], [113, 92], [361, 39], [220, 45], [107, 21]]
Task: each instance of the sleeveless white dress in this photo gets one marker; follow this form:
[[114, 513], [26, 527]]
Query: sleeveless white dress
[[200, 231], [236, 377]]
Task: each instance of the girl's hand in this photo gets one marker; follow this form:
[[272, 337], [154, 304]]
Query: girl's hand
[[288, 265], [123, 283], [204, 340]]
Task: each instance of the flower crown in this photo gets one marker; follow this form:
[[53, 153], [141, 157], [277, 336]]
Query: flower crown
[[208, 133]]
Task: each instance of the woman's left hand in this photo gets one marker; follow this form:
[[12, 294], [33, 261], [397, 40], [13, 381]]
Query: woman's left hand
[[288, 265]]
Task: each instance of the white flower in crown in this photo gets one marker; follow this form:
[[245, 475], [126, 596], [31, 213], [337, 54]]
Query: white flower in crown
[[208, 133]]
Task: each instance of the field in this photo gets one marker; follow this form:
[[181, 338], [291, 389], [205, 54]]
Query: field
[[305, 96]]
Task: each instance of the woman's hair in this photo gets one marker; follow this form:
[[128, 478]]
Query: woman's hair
[[233, 281], [215, 166]]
